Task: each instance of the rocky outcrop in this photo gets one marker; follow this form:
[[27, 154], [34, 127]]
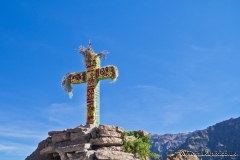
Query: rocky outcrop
[[85, 143], [36, 154], [183, 155]]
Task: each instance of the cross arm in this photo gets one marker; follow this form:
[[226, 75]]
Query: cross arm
[[73, 78], [107, 72], [77, 77]]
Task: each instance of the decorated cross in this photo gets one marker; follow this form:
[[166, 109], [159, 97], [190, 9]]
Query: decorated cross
[[92, 76]]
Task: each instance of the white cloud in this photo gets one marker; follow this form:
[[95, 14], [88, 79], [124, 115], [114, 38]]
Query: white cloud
[[169, 108], [149, 87], [172, 114], [5, 148], [19, 132], [64, 113], [16, 148], [197, 48]]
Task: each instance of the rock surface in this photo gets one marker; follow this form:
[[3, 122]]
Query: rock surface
[[36, 154], [113, 153], [183, 155], [84, 143]]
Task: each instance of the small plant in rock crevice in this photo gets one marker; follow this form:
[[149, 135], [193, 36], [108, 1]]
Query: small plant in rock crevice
[[140, 146]]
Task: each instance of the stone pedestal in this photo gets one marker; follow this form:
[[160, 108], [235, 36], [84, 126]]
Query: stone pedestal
[[84, 143]]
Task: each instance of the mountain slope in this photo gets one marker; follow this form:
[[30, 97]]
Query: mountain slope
[[162, 143], [221, 137]]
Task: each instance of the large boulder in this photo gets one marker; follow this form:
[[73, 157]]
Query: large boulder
[[107, 141], [111, 153], [183, 155], [86, 155]]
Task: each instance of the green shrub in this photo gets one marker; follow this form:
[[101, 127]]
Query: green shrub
[[140, 146]]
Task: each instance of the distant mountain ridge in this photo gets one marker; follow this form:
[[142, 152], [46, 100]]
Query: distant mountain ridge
[[221, 137], [162, 143]]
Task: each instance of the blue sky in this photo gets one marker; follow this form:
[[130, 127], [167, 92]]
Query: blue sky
[[178, 66]]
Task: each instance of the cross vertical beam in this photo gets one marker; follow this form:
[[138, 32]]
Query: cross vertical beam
[[93, 89]]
